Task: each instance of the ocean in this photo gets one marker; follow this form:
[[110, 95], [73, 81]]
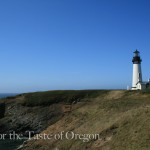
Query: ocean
[[8, 144], [3, 95]]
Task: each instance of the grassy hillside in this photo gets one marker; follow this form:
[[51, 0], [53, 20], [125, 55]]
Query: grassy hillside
[[50, 97], [121, 118]]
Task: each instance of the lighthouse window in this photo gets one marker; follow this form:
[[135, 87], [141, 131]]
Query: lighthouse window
[[136, 54]]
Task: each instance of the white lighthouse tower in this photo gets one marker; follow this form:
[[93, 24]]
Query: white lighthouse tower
[[137, 82], [137, 72]]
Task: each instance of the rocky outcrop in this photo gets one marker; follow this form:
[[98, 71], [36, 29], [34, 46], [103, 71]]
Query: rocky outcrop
[[2, 110], [16, 117]]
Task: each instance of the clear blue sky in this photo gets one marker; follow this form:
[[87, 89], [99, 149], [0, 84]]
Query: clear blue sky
[[72, 44]]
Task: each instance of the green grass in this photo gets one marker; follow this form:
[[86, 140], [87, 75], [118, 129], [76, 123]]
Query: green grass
[[146, 91], [124, 104], [51, 97], [133, 131]]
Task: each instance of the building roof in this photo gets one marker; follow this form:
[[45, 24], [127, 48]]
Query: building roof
[[144, 82]]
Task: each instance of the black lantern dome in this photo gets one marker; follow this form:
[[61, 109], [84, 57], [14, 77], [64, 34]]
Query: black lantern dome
[[136, 59]]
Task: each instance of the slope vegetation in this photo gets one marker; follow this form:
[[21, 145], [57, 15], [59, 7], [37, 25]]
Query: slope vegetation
[[120, 118]]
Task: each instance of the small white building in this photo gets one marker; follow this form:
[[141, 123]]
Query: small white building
[[137, 82]]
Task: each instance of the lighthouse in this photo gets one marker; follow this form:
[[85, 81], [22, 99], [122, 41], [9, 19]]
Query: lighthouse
[[137, 71], [137, 82]]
